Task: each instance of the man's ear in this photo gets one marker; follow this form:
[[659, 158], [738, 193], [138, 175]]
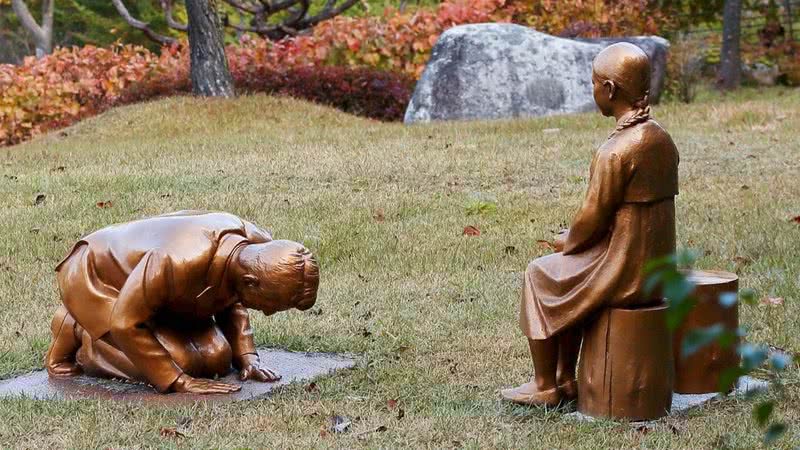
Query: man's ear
[[611, 88], [250, 280]]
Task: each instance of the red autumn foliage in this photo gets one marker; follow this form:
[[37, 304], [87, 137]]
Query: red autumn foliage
[[470, 230], [74, 83], [364, 92]]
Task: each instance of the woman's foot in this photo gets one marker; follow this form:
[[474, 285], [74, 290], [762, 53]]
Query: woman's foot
[[569, 389], [529, 394]]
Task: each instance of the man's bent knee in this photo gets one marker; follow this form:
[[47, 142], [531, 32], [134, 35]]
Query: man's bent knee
[[216, 353]]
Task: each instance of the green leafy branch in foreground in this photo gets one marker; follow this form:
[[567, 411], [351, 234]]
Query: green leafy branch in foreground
[[666, 274]]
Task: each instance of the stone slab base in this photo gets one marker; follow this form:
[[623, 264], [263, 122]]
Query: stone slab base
[[293, 367], [684, 402]]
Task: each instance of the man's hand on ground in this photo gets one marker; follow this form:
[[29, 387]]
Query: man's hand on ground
[[63, 369], [252, 370], [189, 385]]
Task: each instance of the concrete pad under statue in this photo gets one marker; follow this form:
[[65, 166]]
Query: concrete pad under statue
[[294, 367], [681, 403]]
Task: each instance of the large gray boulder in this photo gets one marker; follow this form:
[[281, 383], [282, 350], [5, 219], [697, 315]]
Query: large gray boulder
[[497, 71]]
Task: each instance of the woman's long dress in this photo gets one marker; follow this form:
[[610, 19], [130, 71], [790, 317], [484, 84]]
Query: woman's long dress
[[627, 219]]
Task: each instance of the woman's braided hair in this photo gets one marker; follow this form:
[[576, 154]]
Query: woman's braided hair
[[641, 114], [629, 68]]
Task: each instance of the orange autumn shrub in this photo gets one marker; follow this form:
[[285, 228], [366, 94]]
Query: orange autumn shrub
[[400, 42], [74, 83], [594, 18]]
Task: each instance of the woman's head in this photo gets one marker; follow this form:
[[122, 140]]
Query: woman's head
[[621, 77]]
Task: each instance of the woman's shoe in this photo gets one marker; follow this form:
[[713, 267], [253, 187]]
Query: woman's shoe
[[529, 394], [569, 390]]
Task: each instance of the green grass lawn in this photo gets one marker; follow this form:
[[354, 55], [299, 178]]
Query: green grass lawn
[[383, 206]]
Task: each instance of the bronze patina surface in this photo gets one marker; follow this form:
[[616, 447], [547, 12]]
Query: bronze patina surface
[[627, 218], [164, 300], [700, 372], [626, 369]]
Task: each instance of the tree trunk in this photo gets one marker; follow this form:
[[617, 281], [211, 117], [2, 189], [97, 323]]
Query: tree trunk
[[42, 34], [209, 66], [730, 66]]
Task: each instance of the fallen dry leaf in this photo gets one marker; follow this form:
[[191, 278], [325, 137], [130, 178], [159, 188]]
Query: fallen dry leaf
[[546, 245], [379, 215], [184, 422], [312, 387], [40, 198], [314, 312], [171, 432], [510, 250], [380, 429], [312, 412], [339, 424], [796, 219], [454, 368], [470, 230], [105, 204], [400, 413], [391, 404], [772, 301], [742, 260]]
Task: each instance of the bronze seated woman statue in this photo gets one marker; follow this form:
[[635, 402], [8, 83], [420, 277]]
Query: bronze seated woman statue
[[627, 218]]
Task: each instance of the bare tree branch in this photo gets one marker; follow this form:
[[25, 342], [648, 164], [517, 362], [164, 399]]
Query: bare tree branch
[[298, 14], [47, 16], [26, 19], [328, 12], [295, 17], [246, 6], [42, 34], [273, 7], [166, 5], [139, 25]]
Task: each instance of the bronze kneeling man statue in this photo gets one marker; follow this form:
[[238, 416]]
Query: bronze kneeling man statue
[[164, 300]]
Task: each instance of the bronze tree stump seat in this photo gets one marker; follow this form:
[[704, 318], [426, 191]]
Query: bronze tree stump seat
[[625, 369], [700, 372]]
